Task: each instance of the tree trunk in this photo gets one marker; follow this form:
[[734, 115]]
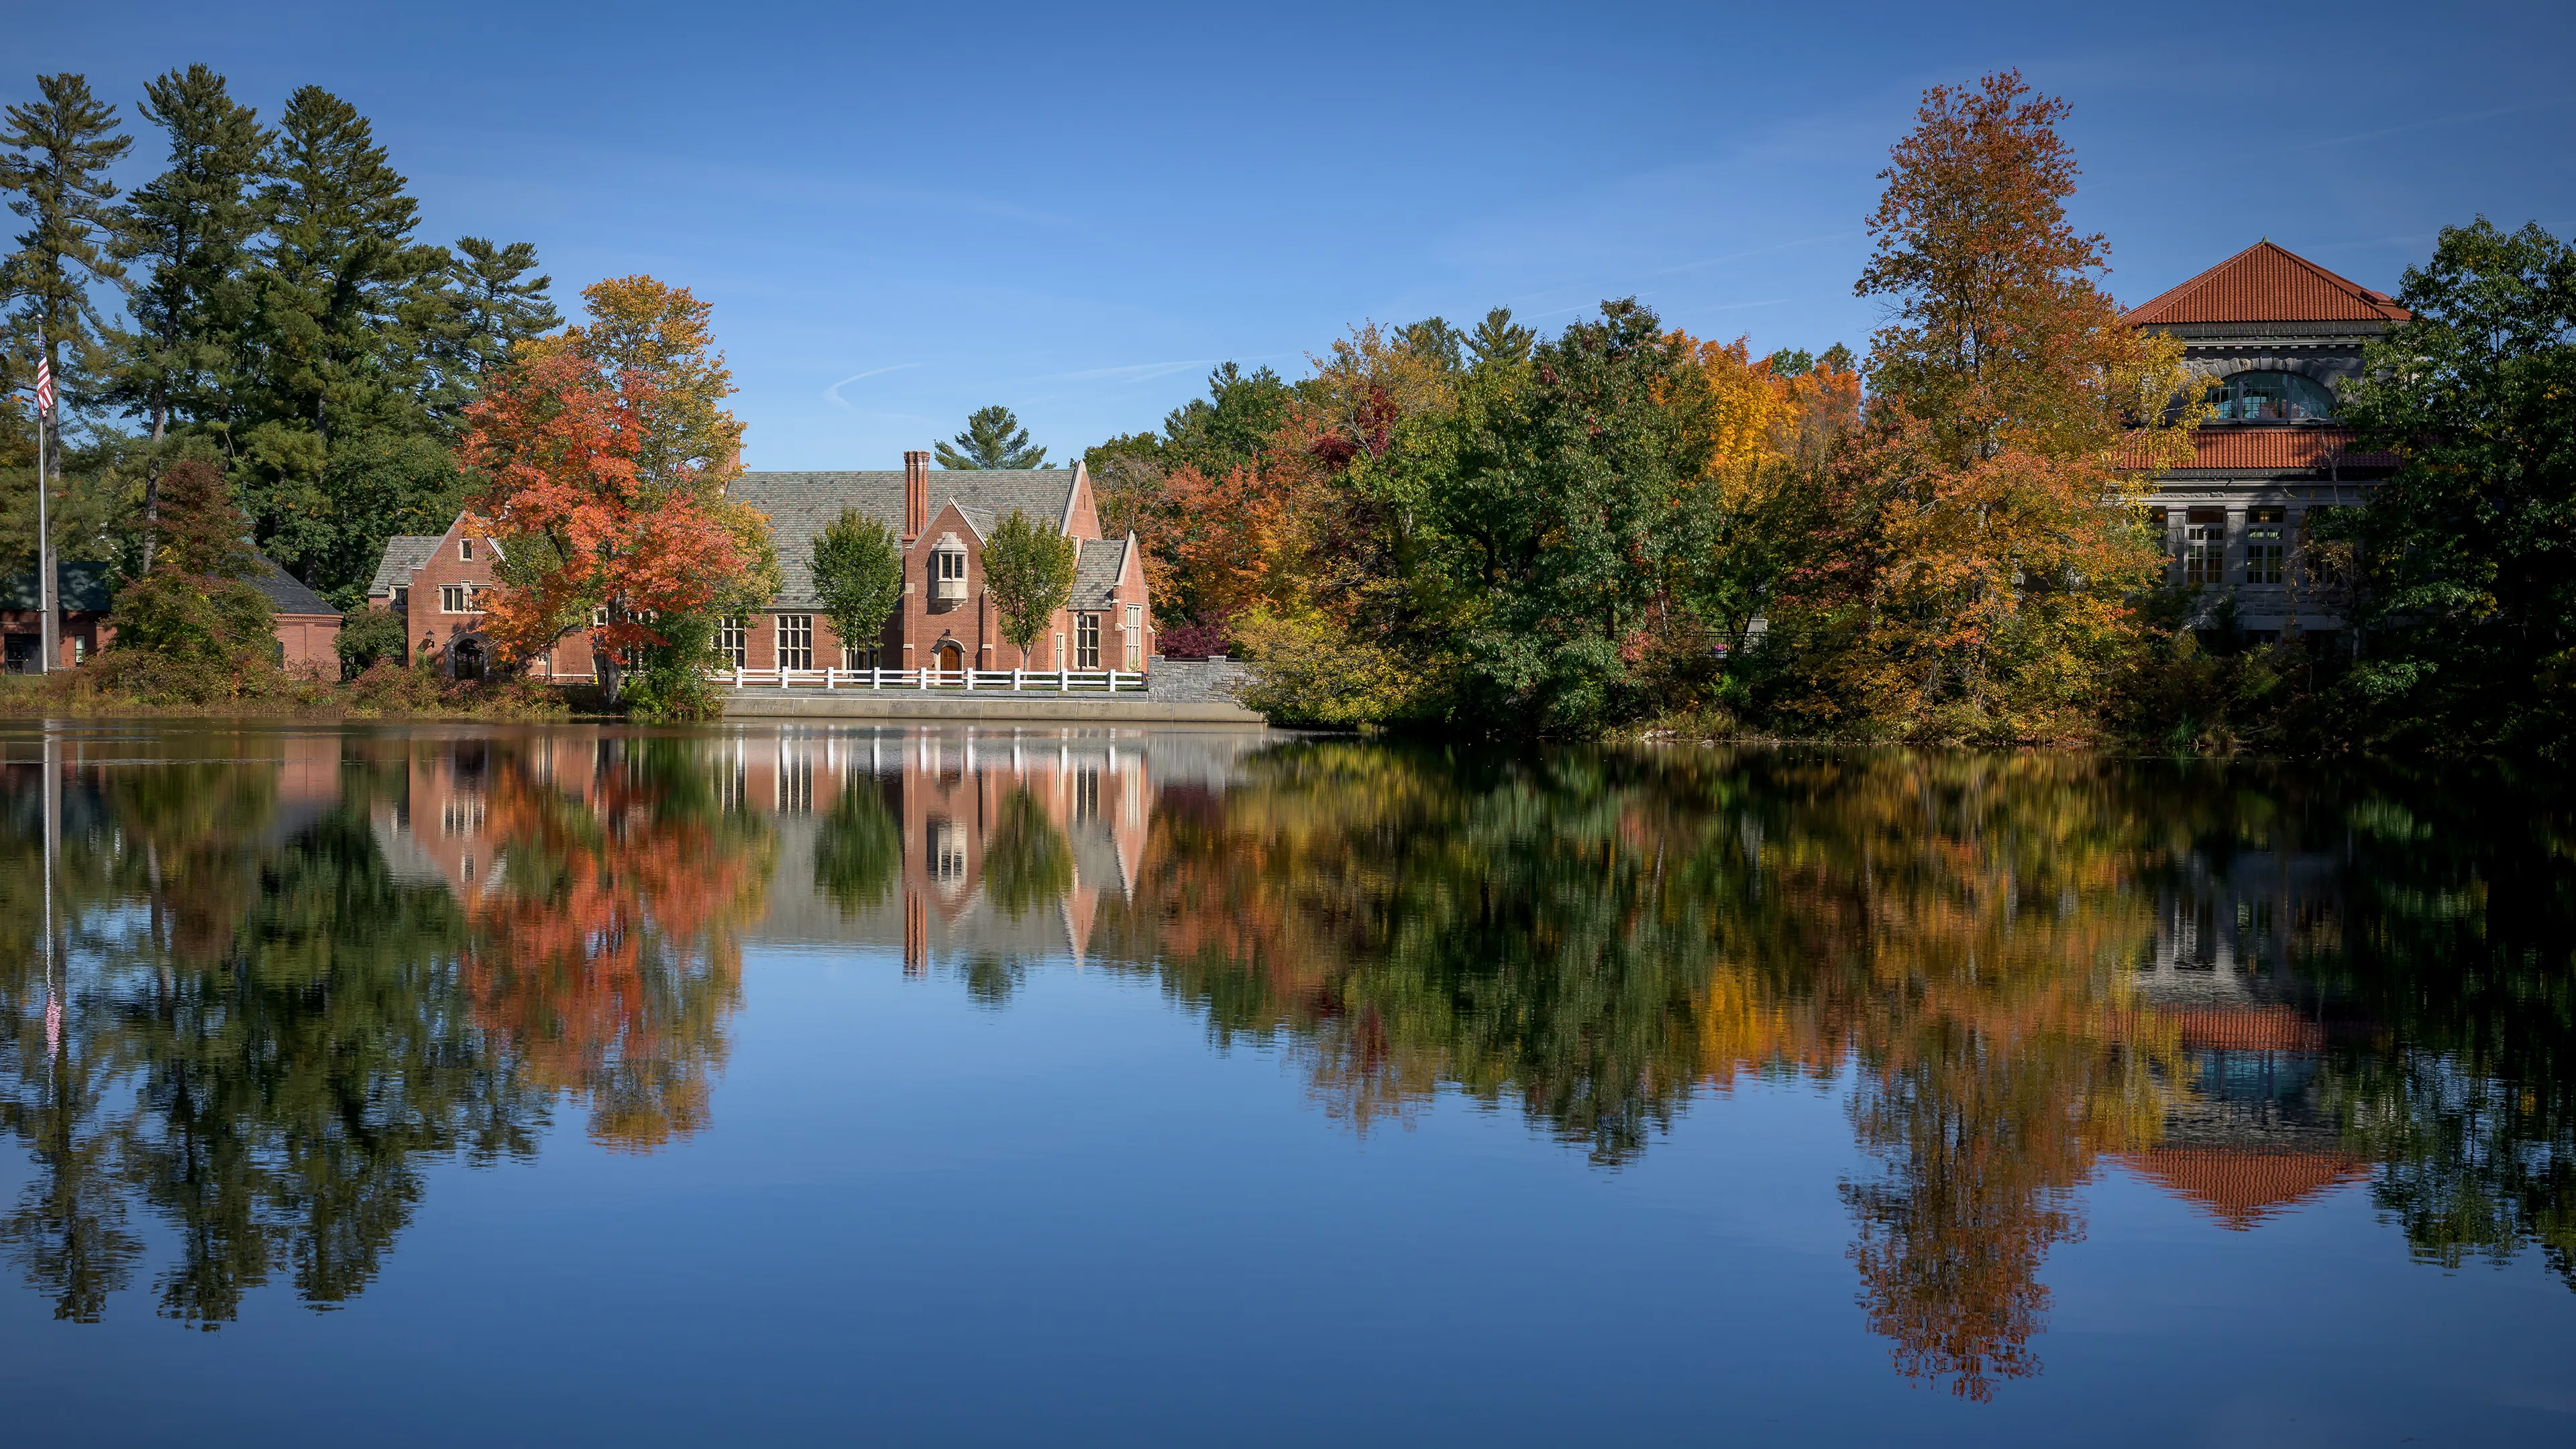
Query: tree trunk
[[152, 478]]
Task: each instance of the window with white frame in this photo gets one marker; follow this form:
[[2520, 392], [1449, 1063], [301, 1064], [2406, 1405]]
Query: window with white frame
[[951, 564], [455, 599], [730, 644], [795, 641], [1086, 641], [465, 549]]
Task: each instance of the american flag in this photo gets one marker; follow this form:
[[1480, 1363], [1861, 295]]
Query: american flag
[[44, 387]]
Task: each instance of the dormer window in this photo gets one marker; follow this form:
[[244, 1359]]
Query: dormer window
[[2271, 397], [948, 571]]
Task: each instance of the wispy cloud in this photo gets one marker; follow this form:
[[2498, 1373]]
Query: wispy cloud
[[1132, 372], [2441, 121], [833, 396]]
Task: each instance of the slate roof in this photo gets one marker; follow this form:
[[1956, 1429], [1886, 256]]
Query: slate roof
[[2264, 283], [1095, 574], [404, 552], [81, 588], [801, 505], [287, 594]]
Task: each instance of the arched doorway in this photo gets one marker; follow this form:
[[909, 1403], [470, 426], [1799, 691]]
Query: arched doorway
[[948, 657], [468, 657]]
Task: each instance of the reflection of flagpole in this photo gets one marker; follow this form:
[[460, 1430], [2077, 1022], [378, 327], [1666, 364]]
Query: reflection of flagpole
[[49, 634], [53, 850]]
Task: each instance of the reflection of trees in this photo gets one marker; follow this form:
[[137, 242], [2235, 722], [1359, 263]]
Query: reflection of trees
[[858, 853], [264, 1055], [273, 1038], [608, 952], [1595, 935], [1028, 865]]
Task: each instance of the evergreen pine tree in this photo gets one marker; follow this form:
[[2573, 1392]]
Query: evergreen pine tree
[[1498, 339], [993, 439], [57, 180], [190, 229]]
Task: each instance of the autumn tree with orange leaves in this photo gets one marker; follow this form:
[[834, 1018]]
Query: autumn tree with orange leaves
[[1977, 555], [603, 454]]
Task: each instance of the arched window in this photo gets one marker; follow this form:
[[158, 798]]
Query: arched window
[[2271, 397]]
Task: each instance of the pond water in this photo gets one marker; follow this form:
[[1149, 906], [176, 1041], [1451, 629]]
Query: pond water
[[427, 1085]]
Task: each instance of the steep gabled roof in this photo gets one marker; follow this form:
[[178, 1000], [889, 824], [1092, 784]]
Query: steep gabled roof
[[1095, 574], [404, 552], [2265, 283], [286, 593], [801, 505]]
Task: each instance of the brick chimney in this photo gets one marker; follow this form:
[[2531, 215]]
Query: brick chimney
[[916, 494]]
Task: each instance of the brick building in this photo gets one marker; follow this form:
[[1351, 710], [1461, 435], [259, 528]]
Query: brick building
[[2276, 336], [308, 628], [946, 619], [436, 584]]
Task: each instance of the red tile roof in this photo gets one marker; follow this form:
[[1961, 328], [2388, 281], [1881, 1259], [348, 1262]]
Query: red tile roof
[[2241, 1188], [2258, 448], [2263, 283]]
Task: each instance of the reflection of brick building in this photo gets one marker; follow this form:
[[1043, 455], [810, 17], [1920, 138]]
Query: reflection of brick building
[[954, 799], [2248, 1136]]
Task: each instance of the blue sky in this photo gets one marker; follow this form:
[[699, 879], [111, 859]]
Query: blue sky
[[904, 212]]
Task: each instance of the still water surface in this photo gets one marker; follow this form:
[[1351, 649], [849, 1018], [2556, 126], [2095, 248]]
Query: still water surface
[[457, 1085]]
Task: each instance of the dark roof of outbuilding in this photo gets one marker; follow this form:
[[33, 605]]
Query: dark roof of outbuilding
[[82, 588], [286, 594], [801, 505], [404, 552]]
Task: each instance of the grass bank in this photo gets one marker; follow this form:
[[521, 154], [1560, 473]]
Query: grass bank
[[158, 688]]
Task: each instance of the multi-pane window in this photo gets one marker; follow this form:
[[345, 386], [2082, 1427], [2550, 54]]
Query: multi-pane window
[[2204, 547], [1086, 641], [949, 565], [2266, 547], [730, 643], [795, 641], [1086, 795], [599, 616], [2271, 397], [455, 599]]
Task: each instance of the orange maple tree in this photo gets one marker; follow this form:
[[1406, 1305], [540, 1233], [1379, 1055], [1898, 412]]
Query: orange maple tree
[[590, 540]]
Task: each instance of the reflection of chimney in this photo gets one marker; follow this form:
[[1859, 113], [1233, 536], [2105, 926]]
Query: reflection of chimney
[[916, 935], [916, 494]]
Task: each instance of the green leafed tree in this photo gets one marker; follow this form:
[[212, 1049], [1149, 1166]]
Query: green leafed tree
[[197, 607], [2471, 603], [993, 439], [1029, 569], [858, 574]]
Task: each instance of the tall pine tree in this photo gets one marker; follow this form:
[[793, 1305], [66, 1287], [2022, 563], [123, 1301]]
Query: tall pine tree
[[64, 144], [189, 231]]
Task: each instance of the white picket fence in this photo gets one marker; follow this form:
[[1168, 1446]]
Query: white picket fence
[[1057, 681]]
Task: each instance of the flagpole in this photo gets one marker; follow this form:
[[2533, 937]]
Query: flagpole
[[49, 633]]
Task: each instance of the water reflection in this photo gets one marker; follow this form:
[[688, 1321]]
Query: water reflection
[[297, 969]]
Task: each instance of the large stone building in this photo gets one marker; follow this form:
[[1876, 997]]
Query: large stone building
[[2277, 337], [946, 619]]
